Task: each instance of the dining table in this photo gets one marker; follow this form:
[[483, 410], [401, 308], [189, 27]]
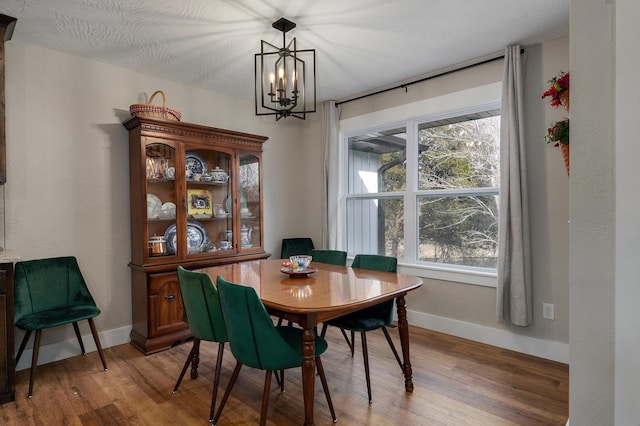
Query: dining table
[[318, 294]]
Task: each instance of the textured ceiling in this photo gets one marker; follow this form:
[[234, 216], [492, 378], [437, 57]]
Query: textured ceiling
[[360, 45]]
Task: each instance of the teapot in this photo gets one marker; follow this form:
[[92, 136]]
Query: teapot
[[219, 175], [245, 236]]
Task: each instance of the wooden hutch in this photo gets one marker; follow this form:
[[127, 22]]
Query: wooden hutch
[[196, 201]]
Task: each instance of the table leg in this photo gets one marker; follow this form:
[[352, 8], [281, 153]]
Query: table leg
[[308, 373], [403, 328]]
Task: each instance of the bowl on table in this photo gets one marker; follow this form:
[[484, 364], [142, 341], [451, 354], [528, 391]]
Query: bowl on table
[[301, 260]]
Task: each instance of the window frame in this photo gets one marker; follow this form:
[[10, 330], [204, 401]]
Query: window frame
[[483, 98]]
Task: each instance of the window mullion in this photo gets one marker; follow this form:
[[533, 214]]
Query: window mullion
[[410, 200]]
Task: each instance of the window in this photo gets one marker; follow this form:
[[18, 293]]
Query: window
[[427, 191]]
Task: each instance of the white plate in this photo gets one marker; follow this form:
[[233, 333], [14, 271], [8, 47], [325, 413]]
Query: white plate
[[154, 205], [168, 210]]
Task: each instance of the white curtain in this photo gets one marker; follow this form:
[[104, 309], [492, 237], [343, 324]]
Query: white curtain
[[330, 135], [514, 302]]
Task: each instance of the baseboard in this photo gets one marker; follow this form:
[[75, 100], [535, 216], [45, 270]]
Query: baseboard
[[69, 348], [555, 351]]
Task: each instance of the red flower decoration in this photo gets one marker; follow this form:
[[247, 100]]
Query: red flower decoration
[[558, 84]]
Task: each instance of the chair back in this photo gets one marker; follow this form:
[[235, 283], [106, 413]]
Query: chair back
[[333, 257], [202, 305], [45, 284], [293, 246], [253, 339], [375, 262], [381, 263]]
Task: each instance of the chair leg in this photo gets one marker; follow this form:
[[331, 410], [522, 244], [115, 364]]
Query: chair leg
[[324, 330], [25, 339], [232, 381], [393, 347], [77, 330], [265, 398], [323, 379], [216, 380], [94, 332], [280, 384], [194, 348], [34, 361], [352, 345], [365, 355]]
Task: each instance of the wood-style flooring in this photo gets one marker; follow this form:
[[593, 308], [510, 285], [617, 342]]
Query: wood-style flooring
[[457, 382]]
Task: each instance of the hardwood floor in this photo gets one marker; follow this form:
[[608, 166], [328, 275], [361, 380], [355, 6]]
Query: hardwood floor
[[457, 382]]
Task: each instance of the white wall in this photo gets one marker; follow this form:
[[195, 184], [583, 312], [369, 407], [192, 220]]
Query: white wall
[[592, 278], [605, 207], [627, 248]]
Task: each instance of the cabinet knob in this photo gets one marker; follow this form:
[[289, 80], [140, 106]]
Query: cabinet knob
[[170, 297]]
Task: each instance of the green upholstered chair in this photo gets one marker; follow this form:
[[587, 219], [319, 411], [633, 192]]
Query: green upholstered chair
[[50, 293], [257, 343], [333, 257], [369, 319], [204, 314], [293, 246]]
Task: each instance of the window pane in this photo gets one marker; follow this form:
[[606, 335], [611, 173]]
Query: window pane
[[459, 230], [377, 162], [375, 226], [462, 154]]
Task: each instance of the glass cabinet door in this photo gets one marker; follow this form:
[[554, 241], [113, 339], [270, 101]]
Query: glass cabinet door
[[209, 225], [250, 202], [161, 199]]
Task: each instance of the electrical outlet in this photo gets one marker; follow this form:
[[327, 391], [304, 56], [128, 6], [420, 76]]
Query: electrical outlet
[[548, 311]]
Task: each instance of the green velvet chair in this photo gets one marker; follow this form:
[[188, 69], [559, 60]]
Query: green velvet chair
[[257, 343], [333, 257], [293, 246], [369, 319], [204, 314], [50, 293]]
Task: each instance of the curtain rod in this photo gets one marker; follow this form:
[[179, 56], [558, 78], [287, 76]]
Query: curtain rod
[[404, 85]]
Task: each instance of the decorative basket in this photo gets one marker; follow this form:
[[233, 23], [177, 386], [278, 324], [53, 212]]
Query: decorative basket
[[150, 110], [565, 155]]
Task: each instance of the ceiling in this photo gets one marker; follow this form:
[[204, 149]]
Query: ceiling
[[361, 45]]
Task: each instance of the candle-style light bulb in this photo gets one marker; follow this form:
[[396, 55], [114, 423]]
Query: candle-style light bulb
[[280, 80]]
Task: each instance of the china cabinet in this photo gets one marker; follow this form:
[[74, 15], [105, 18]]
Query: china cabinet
[[196, 201]]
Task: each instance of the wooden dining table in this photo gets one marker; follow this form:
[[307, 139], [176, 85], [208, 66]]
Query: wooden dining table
[[328, 292]]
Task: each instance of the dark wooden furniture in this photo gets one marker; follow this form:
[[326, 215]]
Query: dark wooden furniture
[[7, 358], [7, 24], [332, 291], [213, 177]]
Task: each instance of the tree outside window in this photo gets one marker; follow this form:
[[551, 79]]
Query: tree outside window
[[455, 192]]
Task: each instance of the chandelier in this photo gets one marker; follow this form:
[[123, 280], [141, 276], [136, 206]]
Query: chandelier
[[285, 77]]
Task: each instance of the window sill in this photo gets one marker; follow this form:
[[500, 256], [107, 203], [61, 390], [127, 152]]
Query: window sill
[[474, 277]]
